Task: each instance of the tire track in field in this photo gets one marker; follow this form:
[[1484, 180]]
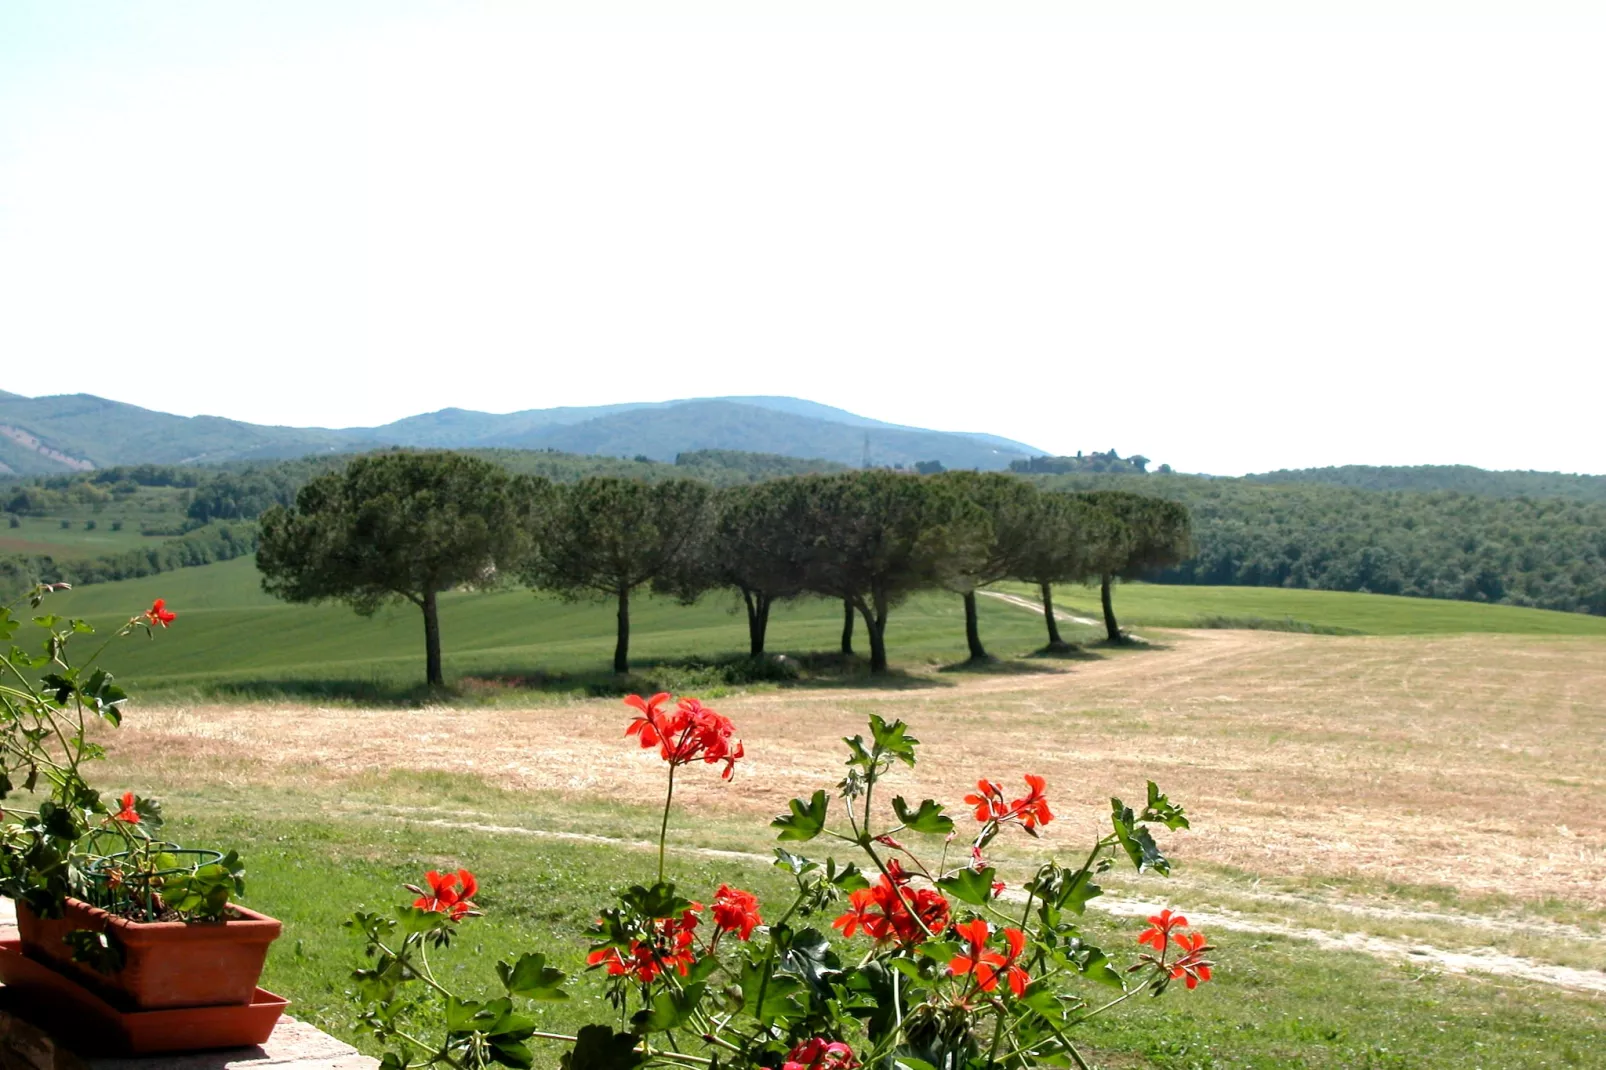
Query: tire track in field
[[1472, 961]]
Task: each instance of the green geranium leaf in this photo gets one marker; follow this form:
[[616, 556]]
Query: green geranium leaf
[[669, 1010], [701, 970], [659, 901], [418, 920], [597, 1047], [779, 994], [941, 951], [929, 818], [461, 1014], [893, 739], [515, 1053], [908, 967], [532, 978], [1163, 810], [1044, 1001], [848, 878], [1078, 891], [796, 865], [1137, 841], [970, 886], [1093, 964], [805, 821]]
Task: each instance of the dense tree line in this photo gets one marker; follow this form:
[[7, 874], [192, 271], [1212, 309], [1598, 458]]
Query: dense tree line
[[407, 526], [728, 467], [1546, 552], [1276, 530], [1461, 478]]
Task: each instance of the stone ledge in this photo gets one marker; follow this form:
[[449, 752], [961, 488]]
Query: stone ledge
[[293, 1046]]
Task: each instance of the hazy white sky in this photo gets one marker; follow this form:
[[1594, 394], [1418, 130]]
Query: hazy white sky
[[1271, 235]]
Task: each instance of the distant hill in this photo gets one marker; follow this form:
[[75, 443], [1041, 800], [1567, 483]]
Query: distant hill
[[663, 433], [1460, 478], [77, 432]]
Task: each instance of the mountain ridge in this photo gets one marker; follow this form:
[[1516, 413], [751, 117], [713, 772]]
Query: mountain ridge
[[67, 432]]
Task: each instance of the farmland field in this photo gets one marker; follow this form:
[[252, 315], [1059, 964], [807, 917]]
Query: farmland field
[[39, 535], [1399, 838]]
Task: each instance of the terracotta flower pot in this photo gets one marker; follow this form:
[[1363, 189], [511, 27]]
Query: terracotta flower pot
[[166, 963]]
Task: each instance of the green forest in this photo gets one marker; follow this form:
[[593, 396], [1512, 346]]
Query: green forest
[[1548, 553], [1519, 538], [1462, 478]]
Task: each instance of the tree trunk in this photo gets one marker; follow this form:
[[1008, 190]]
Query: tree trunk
[[972, 629], [847, 626], [758, 620], [1054, 640], [621, 647], [432, 642], [1111, 628], [875, 625]]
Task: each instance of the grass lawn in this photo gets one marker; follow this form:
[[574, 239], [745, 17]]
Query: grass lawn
[[1175, 606], [1274, 1003]]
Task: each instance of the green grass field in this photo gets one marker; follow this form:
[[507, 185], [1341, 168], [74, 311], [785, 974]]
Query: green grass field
[[1170, 606], [39, 535], [1274, 1003], [232, 638]]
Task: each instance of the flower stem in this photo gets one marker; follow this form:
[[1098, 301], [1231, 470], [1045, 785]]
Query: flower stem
[[663, 829]]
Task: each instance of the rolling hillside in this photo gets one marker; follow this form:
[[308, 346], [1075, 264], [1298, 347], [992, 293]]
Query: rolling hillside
[[78, 432]]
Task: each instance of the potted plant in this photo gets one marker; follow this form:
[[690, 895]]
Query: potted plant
[[100, 898]]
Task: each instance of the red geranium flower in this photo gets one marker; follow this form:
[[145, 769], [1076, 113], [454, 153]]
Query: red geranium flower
[[1192, 967], [127, 814], [671, 948], [642, 963], [987, 965], [820, 1054], [988, 801], [881, 912], [1159, 930], [736, 911], [158, 613], [1031, 809], [451, 894], [688, 732], [1018, 977]]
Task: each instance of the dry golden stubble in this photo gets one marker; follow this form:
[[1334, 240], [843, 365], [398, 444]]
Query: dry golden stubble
[[1472, 761]]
